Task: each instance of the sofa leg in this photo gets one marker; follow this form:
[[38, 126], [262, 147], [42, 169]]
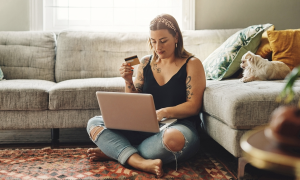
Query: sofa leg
[[241, 167], [54, 137]]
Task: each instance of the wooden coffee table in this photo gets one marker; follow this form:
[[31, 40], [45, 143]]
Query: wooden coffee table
[[266, 154]]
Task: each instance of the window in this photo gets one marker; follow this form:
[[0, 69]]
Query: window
[[108, 15]]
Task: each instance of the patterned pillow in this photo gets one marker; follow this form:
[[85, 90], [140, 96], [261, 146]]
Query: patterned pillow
[[1, 75], [226, 59]]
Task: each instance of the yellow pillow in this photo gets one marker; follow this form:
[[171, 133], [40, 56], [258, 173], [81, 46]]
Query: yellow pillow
[[264, 49], [285, 45]]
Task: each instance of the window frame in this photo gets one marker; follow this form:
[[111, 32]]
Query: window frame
[[36, 15]]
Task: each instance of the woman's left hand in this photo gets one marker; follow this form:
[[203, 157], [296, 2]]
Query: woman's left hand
[[160, 114]]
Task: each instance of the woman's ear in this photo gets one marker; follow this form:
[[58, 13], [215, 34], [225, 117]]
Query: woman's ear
[[150, 44], [176, 38]]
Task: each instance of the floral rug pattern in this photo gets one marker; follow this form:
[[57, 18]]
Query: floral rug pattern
[[74, 164]]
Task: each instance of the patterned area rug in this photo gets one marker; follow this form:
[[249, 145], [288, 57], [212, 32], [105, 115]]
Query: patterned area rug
[[74, 164]]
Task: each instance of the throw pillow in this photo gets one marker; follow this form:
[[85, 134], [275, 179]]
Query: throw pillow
[[226, 59], [264, 49], [285, 45], [1, 75]]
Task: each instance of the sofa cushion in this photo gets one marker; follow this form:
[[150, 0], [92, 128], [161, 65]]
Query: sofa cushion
[[46, 119], [227, 137], [226, 59], [100, 54], [202, 43], [285, 45], [81, 93], [243, 105], [27, 55], [96, 54], [264, 49], [23, 94]]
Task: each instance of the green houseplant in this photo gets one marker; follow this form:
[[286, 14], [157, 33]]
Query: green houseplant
[[284, 127], [287, 94]]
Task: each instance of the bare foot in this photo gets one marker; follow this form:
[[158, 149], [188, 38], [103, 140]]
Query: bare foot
[[152, 166], [96, 154]]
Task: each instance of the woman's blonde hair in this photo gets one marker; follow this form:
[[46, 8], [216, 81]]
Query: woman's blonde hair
[[166, 21]]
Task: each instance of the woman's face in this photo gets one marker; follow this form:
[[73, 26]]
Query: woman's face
[[163, 43]]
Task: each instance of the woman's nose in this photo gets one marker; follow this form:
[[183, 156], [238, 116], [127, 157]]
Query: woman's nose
[[158, 46]]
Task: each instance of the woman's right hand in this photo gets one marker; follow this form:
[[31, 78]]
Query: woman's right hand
[[126, 71]]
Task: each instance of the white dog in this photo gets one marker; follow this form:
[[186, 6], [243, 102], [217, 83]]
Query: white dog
[[257, 68]]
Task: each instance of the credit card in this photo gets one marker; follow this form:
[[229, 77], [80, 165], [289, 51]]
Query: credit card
[[133, 60]]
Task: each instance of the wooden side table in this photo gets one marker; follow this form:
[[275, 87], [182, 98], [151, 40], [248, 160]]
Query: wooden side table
[[265, 154]]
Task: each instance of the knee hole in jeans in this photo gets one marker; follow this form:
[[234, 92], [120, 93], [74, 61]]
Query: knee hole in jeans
[[95, 131], [173, 139]]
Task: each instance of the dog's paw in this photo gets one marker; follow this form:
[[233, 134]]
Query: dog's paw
[[250, 79], [243, 79]]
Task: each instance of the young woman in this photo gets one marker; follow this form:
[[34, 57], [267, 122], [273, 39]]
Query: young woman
[[176, 80]]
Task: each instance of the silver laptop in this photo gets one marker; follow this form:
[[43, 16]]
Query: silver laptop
[[130, 111]]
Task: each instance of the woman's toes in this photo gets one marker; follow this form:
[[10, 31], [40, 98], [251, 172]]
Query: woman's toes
[[97, 154], [158, 169], [91, 154], [93, 150], [94, 158], [89, 150], [159, 173]]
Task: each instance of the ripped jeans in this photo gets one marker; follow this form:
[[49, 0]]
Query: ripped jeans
[[121, 144]]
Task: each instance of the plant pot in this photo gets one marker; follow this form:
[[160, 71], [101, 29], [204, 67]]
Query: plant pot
[[284, 127]]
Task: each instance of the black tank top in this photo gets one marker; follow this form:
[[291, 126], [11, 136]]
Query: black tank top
[[170, 94]]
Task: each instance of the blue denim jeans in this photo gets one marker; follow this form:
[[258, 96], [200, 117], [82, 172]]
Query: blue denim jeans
[[121, 144]]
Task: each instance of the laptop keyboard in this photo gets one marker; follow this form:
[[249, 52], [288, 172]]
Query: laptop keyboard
[[161, 125]]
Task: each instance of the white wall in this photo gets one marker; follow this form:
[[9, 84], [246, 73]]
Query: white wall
[[210, 14], [226, 14], [14, 15]]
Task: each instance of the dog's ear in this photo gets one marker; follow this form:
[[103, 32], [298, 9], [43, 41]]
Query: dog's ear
[[248, 55]]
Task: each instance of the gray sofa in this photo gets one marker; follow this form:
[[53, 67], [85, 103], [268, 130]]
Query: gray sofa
[[51, 81]]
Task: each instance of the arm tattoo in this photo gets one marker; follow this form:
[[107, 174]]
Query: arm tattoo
[[188, 88], [140, 76], [131, 86], [139, 87], [156, 68], [144, 62]]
